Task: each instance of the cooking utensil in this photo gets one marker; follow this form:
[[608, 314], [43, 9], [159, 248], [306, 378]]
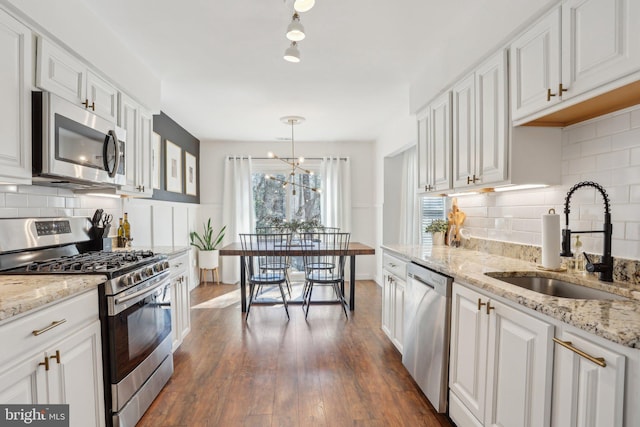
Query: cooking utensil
[[105, 232], [97, 216], [106, 219]]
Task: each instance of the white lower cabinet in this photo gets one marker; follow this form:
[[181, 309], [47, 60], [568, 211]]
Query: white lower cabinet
[[61, 364], [180, 299], [500, 363], [393, 291], [586, 393]]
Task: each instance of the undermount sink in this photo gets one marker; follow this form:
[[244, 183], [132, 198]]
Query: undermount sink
[[554, 287]]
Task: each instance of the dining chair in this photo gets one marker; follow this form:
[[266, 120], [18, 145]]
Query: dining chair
[[276, 264], [324, 256], [261, 251]]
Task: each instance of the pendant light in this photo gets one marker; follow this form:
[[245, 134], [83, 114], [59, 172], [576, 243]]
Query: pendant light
[[295, 30], [292, 54], [293, 161], [303, 5]]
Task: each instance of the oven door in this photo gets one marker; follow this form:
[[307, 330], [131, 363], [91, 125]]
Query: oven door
[[78, 145], [138, 323]]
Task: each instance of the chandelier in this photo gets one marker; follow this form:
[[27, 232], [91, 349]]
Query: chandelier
[[293, 161]]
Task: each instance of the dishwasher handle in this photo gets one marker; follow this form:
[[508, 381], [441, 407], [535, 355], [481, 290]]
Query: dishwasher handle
[[440, 283], [421, 280]]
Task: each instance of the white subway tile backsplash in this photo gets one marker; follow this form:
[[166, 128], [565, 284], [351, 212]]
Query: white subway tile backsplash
[[635, 156], [635, 118], [634, 193], [29, 212], [618, 229], [7, 188], [36, 201], [582, 165], [572, 151], [629, 175], [614, 124], [604, 178], [582, 132], [2, 200], [56, 202], [8, 212], [625, 140], [596, 146], [15, 200], [37, 189], [627, 212], [632, 231], [625, 249], [614, 159], [618, 194]]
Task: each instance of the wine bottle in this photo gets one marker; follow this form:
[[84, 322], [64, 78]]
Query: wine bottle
[[121, 234], [127, 228]]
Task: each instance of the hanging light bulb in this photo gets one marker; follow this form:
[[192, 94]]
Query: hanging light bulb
[[303, 5], [292, 54], [295, 30]]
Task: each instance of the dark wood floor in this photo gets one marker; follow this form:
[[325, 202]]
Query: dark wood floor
[[326, 371]]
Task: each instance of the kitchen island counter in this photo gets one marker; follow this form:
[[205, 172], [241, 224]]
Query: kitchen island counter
[[617, 321]]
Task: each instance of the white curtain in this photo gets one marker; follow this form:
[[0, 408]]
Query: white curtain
[[237, 210], [409, 209], [336, 193]]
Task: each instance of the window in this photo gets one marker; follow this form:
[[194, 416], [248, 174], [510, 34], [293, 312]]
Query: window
[[272, 199], [430, 208]]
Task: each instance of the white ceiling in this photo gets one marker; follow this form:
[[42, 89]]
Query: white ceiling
[[223, 76]]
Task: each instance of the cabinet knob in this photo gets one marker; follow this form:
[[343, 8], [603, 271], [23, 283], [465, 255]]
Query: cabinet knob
[[56, 356], [549, 94]]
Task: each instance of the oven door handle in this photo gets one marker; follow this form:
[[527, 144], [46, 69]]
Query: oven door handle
[[144, 292]]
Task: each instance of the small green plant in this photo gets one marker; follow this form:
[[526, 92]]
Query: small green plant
[[437, 225], [293, 226], [205, 241]]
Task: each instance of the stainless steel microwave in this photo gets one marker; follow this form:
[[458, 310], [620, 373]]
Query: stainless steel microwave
[[74, 147]]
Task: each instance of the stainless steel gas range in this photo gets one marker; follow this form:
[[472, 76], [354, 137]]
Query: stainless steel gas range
[[135, 304]]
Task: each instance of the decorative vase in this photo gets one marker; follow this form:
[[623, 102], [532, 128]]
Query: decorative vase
[[208, 260], [437, 238]]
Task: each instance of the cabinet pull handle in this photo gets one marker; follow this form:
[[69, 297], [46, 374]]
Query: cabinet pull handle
[[480, 304], [51, 326], [56, 356], [45, 363], [549, 94], [472, 180], [86, 104], [489, 307], [561, 89], [567, 344], [428, 187]]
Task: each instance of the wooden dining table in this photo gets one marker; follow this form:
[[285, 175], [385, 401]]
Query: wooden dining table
[[355, 248]]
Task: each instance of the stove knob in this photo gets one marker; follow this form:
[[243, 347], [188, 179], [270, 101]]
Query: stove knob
[[165, 265], [138, 277], [149, 272]]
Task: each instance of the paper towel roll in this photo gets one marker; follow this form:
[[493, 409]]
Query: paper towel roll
[[551, 241]]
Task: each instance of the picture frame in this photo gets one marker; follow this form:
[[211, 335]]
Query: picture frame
[[190, 174], [156, 155], [173, 169]]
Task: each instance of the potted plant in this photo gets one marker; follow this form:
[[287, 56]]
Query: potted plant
[[207, 245], [437, 228]]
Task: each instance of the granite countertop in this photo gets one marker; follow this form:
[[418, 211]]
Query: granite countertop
[[19, 294], [617, 321], [166, 250]]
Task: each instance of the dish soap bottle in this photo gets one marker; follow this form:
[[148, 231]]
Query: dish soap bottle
[[578, 258]]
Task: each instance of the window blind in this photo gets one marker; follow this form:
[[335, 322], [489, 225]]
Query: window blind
[[430, 208]]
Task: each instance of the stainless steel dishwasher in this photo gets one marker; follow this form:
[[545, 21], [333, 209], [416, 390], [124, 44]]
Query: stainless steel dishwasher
[[427, 313]]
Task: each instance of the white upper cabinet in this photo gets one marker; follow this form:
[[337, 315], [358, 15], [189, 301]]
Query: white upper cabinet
[[464, 132], [577, 52], [102, 97], [491, 119], [535, 66], [15, 101], [422, 153], [600, 42], [139, 127], [480, 135], [59, 72], [440, 141]]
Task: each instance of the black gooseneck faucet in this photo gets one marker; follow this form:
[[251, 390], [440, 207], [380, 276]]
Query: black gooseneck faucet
[[605, 267]]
